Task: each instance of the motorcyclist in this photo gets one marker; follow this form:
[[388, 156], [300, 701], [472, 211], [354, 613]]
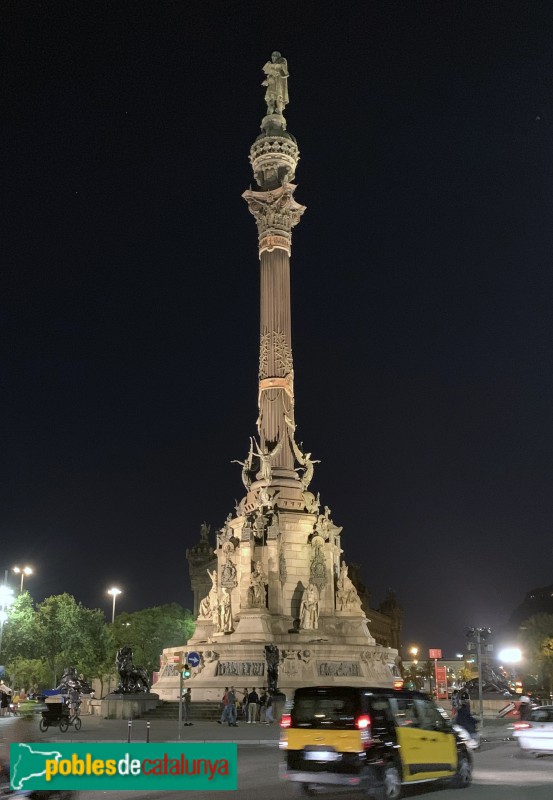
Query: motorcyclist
[[465, 719], [525, 706]]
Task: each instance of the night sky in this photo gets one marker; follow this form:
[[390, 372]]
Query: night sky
[[421, 290]]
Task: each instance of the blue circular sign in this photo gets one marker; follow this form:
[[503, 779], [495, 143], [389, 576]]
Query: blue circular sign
[[194, 659]]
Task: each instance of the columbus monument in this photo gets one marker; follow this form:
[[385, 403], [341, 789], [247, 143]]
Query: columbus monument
[[273, 594]]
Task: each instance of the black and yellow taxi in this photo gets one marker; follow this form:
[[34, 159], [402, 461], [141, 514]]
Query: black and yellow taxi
[[375, 739]]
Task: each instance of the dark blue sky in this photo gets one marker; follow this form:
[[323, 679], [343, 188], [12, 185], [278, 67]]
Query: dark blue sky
[[421, 279]]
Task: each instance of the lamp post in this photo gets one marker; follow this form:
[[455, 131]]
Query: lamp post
[[23, 571], [479, 635], [114, 591], [6, 599]]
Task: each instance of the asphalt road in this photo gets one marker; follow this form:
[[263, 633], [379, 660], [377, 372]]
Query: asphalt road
[[501, 772]]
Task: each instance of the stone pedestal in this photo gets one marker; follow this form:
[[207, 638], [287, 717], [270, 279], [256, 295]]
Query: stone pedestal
[[254, 625], [128, 706]]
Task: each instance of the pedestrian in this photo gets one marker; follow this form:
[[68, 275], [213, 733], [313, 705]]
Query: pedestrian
[[186, 700], [245, 706], [455, 701], [231, 698], [262, 704], [269, 719], [5, 693], [224, 715], [253, 700]]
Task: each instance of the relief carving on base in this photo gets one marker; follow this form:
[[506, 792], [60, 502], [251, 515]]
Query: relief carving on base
[[342, 669], [241, 668]]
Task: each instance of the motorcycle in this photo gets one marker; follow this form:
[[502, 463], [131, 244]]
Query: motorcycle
[[472, 740]]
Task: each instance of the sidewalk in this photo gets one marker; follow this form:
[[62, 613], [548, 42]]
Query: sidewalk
[[96, 729]]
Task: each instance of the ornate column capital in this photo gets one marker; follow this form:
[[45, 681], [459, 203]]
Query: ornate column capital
[[276, 213]]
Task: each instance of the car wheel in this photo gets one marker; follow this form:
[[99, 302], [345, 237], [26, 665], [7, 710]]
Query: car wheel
[[64, 725], [463, 776], [43, 725], [391, 785]]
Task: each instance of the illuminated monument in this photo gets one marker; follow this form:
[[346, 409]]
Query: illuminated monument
[[276, 576]]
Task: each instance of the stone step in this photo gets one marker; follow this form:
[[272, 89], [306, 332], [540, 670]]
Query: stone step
[[199, 710]]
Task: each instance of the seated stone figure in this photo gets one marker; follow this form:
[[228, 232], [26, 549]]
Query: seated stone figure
[[347, 598]]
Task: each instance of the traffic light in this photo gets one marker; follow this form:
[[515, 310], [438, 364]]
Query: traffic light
[[186, 671]]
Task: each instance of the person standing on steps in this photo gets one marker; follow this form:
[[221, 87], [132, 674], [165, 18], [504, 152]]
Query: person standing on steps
[[253, 700], [186, 701], [231, 696], [224, 715]]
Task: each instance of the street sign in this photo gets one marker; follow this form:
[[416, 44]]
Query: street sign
[[194, 659], [434, 654], [441, 683]]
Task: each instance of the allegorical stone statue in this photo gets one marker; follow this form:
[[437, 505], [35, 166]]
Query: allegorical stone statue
[[228, 575], [225, 613], [210, 602], [132, 680], [258, 582], [309, 609], [266, 457], [347, 598], [246, 468], [276, 82]]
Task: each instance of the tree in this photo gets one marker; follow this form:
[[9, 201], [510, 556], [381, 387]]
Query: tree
[[19, 640], [96, 657], [537, 635], [63, 633], [149, 631]]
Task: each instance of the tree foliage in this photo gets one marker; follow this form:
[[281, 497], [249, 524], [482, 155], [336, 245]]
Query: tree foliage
[[19, 639], [537, 636], [149, 631], [39, 643]]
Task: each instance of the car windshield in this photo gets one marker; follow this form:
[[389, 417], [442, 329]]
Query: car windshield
[[542, 715], [327, 708]]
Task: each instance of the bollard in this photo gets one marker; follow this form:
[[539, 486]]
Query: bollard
[[147, 732], [129, 729]]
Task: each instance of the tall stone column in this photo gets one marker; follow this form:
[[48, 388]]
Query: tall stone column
[[274, 156]]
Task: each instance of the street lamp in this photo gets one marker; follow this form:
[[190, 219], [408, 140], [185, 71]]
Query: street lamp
[[511, 655], [6, 599], [479, 635], [414, 651], [114, 591], [22, 571]]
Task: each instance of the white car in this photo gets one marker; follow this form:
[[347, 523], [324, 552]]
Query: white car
[[535, 734]]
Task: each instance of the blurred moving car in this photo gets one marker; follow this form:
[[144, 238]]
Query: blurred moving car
[[535, 733], [376, 739]]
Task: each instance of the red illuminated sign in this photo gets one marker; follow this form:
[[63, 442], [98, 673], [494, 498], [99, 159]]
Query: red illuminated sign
[[434, 654]]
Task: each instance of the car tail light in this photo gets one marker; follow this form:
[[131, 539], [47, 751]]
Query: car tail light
[[521, 726], [363, 722], [286, 721], [398, 684]]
